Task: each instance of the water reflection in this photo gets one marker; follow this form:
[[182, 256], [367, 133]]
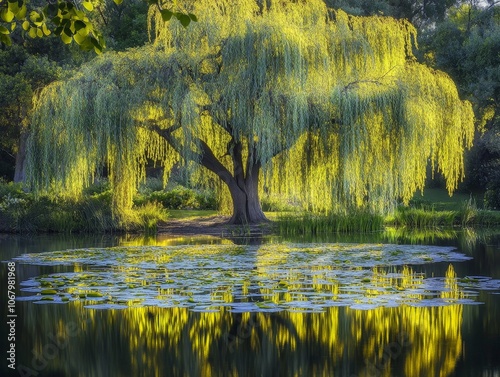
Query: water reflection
[[271, 277], [177, 342], [451, 340]]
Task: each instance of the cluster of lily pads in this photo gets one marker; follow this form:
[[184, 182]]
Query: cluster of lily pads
[[270, 277]]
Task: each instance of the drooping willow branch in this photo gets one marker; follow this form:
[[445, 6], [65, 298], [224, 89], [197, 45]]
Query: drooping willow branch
[[330, 110]]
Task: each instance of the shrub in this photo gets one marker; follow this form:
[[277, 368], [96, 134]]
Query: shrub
[[492, 197], [179, 198], [276, 204], [23, 212], [150, 214], [98, 187], [12, 190], [12, 212], [152, 184]]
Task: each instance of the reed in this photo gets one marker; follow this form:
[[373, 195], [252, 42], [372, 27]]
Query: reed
[[309, 223], [416, 218], [149, 215], [467, 215]]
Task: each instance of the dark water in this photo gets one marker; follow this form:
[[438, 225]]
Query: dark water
[[71, 340]]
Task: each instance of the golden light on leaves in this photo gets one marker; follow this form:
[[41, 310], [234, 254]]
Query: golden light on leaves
[[335, 108]]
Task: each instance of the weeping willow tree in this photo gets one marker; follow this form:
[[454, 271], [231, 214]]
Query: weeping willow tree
[[285, 97]]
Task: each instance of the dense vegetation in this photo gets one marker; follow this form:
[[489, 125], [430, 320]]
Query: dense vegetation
[[30, 65], [312, 103]]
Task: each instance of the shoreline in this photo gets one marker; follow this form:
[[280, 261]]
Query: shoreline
[[212, 226]]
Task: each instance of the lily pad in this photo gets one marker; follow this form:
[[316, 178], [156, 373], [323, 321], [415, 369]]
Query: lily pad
[[48, 292], [271, 277]]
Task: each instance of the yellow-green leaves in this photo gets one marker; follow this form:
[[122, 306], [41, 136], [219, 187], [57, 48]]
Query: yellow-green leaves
[[88, 5], [184, 18], [66, 38], [65, 18], [333, 107], [4, 36], [18, 9], [10, 11], [32, 32], [7, 15]]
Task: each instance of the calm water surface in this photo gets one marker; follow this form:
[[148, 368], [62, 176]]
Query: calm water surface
[[304, 313]]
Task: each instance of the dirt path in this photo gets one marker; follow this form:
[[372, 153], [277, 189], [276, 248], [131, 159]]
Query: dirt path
[[214, 226]]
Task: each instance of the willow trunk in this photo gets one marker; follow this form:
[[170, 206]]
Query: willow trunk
[[245, 196]]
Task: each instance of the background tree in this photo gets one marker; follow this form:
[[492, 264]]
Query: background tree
[[286, 96], [421, 13], [123, 25], [32, 63], [467, 46], [21, 74]]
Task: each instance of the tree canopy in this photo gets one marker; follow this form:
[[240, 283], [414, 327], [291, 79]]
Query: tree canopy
[[274, 96], [467, 46], [420, 13], [71, 20]]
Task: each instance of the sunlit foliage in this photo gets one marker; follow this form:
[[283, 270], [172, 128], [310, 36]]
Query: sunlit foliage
[[70, 20], [322, 106]]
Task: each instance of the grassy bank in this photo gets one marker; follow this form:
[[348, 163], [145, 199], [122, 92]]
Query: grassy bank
[[92, 212], [22, 212], [409, 218], [433, 210], [307, 223], [417, 218]]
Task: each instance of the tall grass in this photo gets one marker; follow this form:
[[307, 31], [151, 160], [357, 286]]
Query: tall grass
[[149, 215], [420, 218], [468, 212], [486, 218], [308, 223], [466, 215]]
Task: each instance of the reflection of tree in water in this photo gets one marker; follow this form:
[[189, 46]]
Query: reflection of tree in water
[[176, 341], [246, 329]]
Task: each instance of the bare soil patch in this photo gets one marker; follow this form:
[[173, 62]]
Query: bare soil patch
[[212, 225]]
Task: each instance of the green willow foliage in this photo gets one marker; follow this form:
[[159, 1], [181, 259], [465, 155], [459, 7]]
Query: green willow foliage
[[334, 108]]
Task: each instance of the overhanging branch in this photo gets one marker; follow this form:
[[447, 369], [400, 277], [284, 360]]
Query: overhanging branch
[[206, 158]]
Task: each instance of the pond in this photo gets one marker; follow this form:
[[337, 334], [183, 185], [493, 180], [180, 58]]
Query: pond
[[385, 304]]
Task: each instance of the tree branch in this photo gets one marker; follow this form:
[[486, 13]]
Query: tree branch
[[375, 81], [7, 152], [209, 161], [206, 158], [238, 172]]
